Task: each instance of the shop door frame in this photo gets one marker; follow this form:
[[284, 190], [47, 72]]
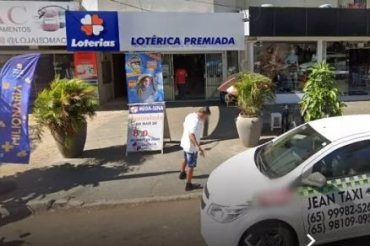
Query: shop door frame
[[223, 57], [172, 76]]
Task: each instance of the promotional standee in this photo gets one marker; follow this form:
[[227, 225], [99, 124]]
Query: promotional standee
[[144, 77], [147, 111], [145, 127], [15, 86]]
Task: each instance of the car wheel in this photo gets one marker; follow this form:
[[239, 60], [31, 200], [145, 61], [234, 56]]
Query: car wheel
[[268, 234]]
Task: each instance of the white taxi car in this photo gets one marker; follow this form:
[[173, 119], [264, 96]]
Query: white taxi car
[[314, 179]]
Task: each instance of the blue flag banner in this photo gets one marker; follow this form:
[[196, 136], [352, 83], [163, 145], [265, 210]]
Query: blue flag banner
[[15, 87]]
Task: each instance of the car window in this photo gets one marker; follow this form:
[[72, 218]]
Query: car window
[[350, 160], [280, 157]]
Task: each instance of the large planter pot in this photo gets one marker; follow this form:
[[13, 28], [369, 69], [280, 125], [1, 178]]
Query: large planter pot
[[71, 146], [249, 130]]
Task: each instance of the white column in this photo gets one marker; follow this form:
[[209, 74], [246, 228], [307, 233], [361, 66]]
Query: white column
[[250, 56], [320, 51]]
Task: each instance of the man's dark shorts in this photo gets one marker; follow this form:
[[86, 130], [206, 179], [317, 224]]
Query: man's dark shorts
[[191, 159]]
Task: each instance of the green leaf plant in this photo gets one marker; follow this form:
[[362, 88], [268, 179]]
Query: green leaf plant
[[64, 107], [254, 91], [320, 97]]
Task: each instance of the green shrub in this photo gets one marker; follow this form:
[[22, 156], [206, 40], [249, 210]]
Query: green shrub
[[64, 107], [254, 91], [320, 94]]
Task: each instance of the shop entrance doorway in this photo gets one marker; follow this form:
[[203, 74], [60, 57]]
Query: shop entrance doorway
[[193, 65], [119, 75]]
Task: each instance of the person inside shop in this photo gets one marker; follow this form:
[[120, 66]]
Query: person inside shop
[[180, 78], [146, 90]]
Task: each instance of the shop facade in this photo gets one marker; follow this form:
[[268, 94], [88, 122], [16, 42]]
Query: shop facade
[[284, 43], [206, 45], [37, 27]]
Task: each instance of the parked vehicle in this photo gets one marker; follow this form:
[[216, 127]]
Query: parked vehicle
[[337, 61], [314, 179]]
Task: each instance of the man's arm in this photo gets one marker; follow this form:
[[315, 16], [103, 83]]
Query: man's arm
[[193, 139]]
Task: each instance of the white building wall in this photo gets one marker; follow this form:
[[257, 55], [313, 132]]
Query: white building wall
[[156, 6], [91, 5]]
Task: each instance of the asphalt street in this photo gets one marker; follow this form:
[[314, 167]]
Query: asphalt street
[[155, 224]]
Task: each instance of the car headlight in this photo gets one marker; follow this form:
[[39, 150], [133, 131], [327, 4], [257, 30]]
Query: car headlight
[[225, 214]]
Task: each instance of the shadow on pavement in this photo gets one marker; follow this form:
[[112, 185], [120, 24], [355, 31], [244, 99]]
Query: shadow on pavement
[[204, 176], [11, 243], [226, 127], [34, 184]]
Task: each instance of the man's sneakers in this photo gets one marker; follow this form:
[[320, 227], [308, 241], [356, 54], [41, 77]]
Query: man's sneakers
[[190, 187], [182, 175]]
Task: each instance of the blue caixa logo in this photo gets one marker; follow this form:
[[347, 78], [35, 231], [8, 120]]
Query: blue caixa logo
[[92, 31]]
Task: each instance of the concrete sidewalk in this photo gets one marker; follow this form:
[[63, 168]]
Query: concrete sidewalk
[[104, 175]]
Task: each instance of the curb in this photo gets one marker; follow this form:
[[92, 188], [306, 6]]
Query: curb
[[43, 206]]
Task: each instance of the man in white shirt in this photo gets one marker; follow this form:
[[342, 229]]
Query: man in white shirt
[[190, 143]]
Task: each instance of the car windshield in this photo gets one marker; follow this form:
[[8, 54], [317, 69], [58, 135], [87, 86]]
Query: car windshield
[[277, 158]]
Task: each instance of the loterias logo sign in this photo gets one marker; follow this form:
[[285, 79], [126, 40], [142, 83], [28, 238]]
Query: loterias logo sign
[[92, 31]]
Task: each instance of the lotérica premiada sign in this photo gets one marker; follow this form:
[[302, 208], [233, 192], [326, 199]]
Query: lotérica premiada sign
[[124, 31]]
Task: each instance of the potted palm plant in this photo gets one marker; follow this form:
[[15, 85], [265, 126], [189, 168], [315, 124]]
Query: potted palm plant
[[64, 109], [320, 97], [254, 91]]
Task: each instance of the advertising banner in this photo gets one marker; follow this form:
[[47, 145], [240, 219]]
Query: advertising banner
[[92, 31], [27, 23], [144, 77], [15, 87], [86, 68], [145, 127]]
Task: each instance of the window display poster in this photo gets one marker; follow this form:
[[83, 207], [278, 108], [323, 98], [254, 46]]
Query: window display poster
[[145, 127], [86, 65], [144, 77], [86, 68]]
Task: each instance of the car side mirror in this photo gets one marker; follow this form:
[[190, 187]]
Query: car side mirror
[[315, 179]]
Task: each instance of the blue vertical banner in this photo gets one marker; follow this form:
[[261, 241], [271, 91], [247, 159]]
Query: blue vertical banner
[[144, 77], [15, 86]]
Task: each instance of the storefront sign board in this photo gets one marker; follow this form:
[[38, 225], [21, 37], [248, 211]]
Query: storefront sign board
[[123, 31], [33, 23], [145, 127], [181, 31], [92, 31]]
